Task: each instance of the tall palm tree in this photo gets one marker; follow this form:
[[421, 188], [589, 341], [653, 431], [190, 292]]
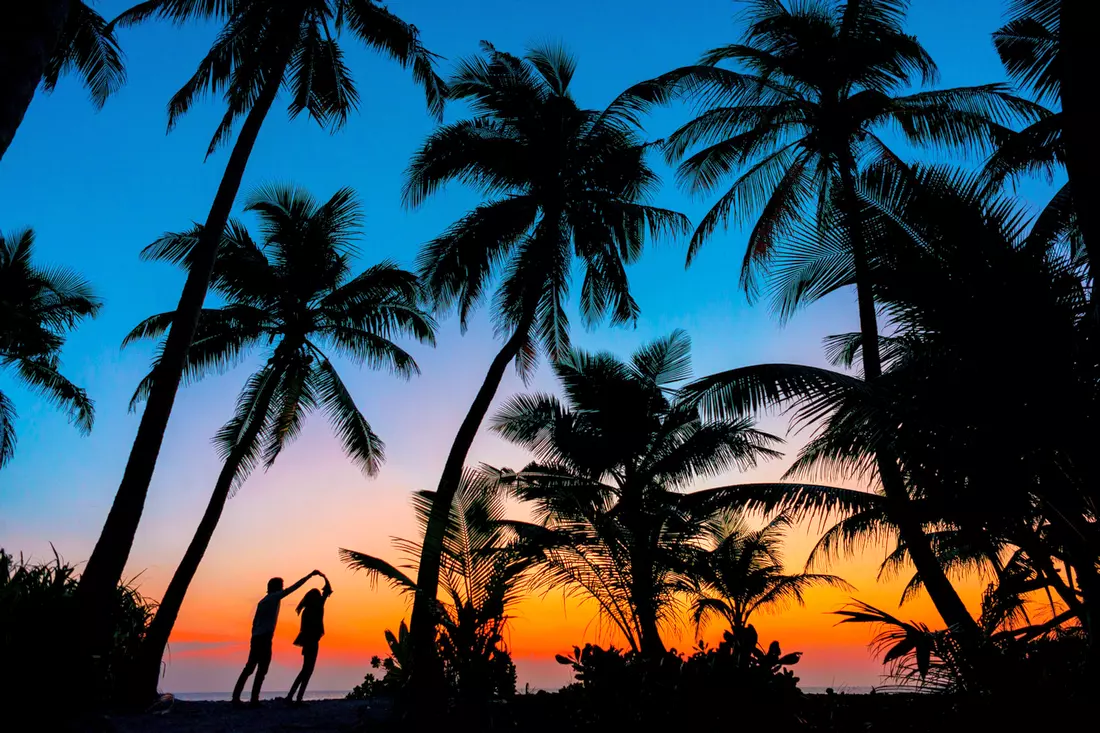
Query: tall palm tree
[[817, 82], [43, 39], [481, 574], [981, 480], [38, 307], [263, 46], [1052, 59], [611, 463], [560, 181], [292, 295], [739, 571]]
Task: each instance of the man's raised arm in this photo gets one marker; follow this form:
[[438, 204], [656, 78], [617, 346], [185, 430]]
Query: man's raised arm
[[287, 591]]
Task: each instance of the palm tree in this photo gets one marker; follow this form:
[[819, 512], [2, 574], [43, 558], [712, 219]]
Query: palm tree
[[1037, 55], [481, 574], [983, 480], [38, 307], [740, 571], [43, 39], [560, 181], [611, 463], [264, 45], [292, 295], [819, 81]]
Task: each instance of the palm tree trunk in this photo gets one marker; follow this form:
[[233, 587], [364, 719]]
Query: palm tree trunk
[[27, 40], [422, 632], [147, 676], [943, 594], [641, 572], [1079, 70], [108, 560]]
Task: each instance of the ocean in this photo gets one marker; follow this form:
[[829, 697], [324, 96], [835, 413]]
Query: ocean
[[340, 694]]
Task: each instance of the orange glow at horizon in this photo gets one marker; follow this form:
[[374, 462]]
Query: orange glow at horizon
[[214, 626]]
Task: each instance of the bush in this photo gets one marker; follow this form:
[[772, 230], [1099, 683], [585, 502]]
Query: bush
[[738, 681], [37, 640]]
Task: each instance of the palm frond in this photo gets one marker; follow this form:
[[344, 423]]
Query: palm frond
[[88, 46], [7, 429], [377, 569], [359, 440]]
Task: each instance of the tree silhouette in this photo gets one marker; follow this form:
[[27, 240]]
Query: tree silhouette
[[38, 307], [613, 522], [739, 571], [800, 118], [43, 39], [561, 182], [292, 295], [263, 46]]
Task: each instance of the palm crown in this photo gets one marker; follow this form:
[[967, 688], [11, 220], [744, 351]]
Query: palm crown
[[561, 181], [606, 484], [294, 295], [818, 82], [38, 307], [738, 571], [264, 39]]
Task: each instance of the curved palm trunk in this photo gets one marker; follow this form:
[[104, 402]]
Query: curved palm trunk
[[156, 637], [943, 594], [27, 40], [426, 672], [108, 560], [1080, 69]]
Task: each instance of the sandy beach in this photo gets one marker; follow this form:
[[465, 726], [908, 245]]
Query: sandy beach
[[321, 716]]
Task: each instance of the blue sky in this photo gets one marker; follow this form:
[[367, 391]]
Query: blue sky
[[97, 187]]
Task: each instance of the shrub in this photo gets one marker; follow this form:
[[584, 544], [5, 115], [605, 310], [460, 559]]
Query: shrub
[[738, 680], [39, 670]]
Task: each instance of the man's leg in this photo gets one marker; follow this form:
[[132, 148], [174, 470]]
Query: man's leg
[[239, 687], [249, 668], [263, 661]]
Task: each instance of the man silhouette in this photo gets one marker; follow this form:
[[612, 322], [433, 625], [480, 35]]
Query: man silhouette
[[263, 632]]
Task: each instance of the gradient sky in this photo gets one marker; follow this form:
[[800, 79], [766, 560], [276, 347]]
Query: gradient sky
[[97, 187]]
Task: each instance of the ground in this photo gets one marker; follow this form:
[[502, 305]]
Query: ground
[[319, 716]]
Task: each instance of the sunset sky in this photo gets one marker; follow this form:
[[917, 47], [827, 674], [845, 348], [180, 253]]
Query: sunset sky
[[97, 187]]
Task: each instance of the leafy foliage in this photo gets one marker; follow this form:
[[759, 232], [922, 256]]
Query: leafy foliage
[[965, 281], [294, 295], [480, 582], [627, 688], [36, 623], [296, 44], [613, 524], [737, 571], [88, 47], [813, 86], [559, 181], [38, 308], [396, 665]]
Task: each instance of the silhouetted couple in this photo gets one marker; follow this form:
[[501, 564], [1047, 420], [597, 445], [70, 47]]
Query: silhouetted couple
[[311, 609]]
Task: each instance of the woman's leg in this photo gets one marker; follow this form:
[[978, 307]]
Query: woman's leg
[[299, 679], [309, 661], [293, 687]]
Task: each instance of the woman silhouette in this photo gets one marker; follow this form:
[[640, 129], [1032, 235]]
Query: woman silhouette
[[312, 610]]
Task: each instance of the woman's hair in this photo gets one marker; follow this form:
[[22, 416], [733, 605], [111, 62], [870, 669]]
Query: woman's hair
[[312, 598]]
